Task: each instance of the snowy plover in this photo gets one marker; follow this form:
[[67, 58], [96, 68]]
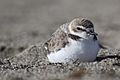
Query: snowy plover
[[73, 41]]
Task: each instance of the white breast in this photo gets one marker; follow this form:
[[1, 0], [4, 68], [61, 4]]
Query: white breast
[[85, 50]]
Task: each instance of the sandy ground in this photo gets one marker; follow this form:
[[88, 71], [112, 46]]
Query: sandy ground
[[26, 22], [32, 64]]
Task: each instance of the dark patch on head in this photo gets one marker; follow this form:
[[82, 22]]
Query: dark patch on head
[[86, 23], [74, 37], [79, 29]]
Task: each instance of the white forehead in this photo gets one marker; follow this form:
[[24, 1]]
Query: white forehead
[[81, 27], [85, 28]]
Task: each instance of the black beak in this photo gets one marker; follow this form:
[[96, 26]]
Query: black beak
[[94, 33], [89, 32]]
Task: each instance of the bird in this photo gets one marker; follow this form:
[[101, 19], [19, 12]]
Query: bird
[[73, 41]]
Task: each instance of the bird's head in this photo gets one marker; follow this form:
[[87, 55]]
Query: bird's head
[[82, 27]]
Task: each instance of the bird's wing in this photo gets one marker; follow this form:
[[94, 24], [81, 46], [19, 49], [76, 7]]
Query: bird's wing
[[57, 41]]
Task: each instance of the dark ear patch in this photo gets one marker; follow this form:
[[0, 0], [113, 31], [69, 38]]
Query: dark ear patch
[[81, 29], [78, 28], [74, 37]]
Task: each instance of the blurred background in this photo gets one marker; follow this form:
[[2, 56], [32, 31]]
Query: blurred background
[[26, 22]]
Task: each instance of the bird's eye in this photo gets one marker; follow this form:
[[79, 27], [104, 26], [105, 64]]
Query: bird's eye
[[78, 28]]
